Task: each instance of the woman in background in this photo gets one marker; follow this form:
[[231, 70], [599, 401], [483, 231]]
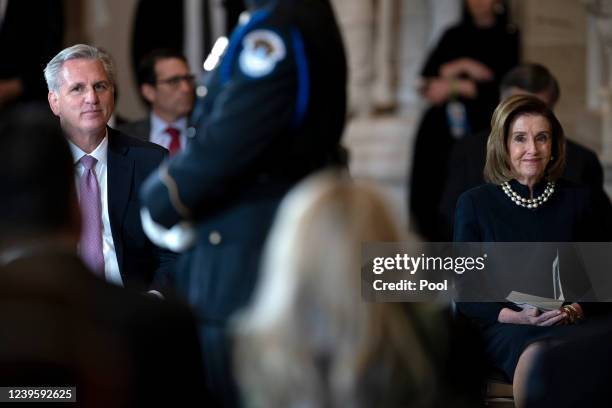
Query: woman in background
[[460, 81]]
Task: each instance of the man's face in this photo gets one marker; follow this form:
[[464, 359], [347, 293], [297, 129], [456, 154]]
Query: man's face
[[84, 102], [173, 95]]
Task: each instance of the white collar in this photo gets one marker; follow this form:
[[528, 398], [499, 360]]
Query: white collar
[[158, 125], [100, 153]]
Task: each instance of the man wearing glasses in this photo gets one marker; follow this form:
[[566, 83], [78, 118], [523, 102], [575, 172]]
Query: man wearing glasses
[[167, 87]]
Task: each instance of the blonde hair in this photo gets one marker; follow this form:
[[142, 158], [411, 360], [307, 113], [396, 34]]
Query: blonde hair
[[497, 167], [308, 337]]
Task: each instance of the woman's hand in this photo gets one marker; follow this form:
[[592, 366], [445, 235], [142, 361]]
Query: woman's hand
[[532, 316], [437, 91], [466, 66]]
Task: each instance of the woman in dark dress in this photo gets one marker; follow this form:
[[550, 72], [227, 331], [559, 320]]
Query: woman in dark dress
[[525, 201], [460, 81]]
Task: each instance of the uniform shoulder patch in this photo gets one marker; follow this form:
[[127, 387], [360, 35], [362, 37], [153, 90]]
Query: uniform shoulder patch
[[261, 50]]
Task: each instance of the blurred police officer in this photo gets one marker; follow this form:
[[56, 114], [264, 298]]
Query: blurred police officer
[[274, 112]]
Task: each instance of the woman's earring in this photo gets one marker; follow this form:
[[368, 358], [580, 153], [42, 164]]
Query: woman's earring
[[552, 158]]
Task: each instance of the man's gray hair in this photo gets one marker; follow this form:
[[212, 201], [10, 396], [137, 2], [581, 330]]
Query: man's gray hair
[[78, 51]]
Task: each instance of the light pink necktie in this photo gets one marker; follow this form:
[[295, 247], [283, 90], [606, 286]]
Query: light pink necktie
[[91, 213]]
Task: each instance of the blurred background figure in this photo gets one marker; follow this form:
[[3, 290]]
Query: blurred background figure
[[369, 29], [460, 81], [167, 87], [309, 339], [442, 15], [467, 157], [29, 37], [62, 326], [274, 112]]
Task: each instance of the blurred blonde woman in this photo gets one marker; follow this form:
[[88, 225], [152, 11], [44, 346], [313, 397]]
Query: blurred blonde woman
[[308, 339]]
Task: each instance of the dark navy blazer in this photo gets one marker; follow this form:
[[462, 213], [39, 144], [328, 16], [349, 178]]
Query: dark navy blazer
[[140, 129], [130, 161]]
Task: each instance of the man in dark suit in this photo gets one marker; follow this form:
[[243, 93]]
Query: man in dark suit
[[167, 87], [468, 156], [109, 169], [62, 326]]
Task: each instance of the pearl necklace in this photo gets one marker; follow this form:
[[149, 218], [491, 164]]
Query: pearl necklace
[[532, 203]]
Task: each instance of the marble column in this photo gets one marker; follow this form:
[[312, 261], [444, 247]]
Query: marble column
[[600, 12], [369, 32], [422, 22]]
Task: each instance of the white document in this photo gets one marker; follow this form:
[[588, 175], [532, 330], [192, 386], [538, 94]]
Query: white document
[[525, 300]]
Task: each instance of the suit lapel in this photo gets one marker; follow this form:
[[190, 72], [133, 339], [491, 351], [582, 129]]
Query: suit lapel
[[143, 130], [120, 175]]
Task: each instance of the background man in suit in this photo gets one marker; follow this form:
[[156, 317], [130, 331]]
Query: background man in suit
[[467, 158], [167, 86], [109, 168], [64, 326]]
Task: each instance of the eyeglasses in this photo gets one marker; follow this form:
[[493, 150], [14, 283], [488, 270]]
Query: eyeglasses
[[175, 81]]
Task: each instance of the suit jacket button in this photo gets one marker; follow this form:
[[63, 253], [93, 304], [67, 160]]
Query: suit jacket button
[[191, 132], [214, 238]]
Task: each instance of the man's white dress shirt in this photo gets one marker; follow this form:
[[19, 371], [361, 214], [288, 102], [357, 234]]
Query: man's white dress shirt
[[159, 135]]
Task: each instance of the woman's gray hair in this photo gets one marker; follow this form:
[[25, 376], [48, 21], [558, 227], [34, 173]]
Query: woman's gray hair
[[78, 51]]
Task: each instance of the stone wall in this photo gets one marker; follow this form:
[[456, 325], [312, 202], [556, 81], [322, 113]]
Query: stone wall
[[555, 35]]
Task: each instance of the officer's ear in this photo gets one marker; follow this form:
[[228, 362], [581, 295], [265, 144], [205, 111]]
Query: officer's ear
[[148, 92]]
